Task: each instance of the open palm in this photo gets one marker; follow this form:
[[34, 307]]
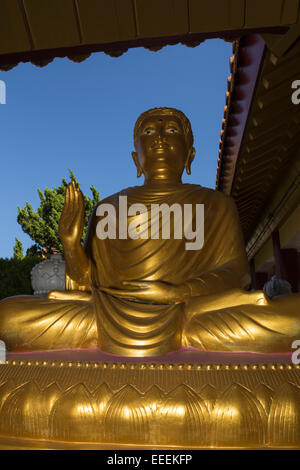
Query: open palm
[[71, 222]]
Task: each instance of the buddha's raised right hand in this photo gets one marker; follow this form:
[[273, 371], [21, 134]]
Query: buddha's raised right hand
[[71, 226], [72, 218]]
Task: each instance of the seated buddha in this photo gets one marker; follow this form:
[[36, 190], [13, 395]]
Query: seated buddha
[[146, 296]]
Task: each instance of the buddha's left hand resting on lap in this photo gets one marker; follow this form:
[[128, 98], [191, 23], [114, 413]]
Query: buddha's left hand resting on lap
[[149, 296]]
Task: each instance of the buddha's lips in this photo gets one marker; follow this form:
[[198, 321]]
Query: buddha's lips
[[160, 147]]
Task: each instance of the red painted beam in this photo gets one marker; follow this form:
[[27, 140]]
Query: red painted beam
[[249, 60]]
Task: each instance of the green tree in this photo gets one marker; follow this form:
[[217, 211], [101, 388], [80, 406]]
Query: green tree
[[15, 275], [18, 250], [42, 225]]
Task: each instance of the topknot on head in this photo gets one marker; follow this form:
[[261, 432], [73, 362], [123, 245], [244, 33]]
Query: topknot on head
[[186, 125]]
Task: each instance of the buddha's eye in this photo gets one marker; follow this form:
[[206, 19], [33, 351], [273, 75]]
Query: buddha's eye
[[172, 130], [148, 131]]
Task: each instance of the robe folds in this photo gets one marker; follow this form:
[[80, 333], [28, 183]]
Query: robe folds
[[135, 328], [210, 320]]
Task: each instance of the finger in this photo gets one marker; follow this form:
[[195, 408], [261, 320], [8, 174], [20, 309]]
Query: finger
[[72, 197], [121, 293], [53, 294], [141, 284], [80, 198], [67, 197], [66, 214], [74, 184], [78, 214], [65, 209], [79, 204], [121, 296], [111, 290], [75, 197]]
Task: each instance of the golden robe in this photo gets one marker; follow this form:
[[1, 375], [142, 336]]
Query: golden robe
[[216, 317]]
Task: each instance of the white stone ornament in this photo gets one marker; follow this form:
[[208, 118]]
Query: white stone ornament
[[276, 287], [2, 352], [49, 275]]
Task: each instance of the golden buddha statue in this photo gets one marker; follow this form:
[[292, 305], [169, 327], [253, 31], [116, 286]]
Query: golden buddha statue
[[149, 296]]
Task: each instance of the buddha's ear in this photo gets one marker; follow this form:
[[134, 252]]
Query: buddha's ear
[[189, 160], [137, 163]]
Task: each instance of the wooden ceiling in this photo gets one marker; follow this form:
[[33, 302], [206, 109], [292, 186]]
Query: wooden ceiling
[[39, 30]]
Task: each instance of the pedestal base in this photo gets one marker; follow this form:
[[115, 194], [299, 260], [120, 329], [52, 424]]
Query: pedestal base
[[113, 405]]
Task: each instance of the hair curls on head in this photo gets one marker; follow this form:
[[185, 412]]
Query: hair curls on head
[[186, 125]]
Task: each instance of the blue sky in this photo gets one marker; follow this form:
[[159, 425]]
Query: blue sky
[[81, 116]]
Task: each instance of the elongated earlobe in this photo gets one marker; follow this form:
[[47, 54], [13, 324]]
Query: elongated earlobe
[[136, 162], [189, 160]]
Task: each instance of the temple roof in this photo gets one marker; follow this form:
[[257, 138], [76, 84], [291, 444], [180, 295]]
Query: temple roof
[[259, 144], [260, 130], [40, 30]]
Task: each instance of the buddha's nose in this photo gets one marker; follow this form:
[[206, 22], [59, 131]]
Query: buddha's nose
[[160, 135]]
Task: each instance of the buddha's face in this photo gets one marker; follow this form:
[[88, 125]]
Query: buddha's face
[[162, 151]]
